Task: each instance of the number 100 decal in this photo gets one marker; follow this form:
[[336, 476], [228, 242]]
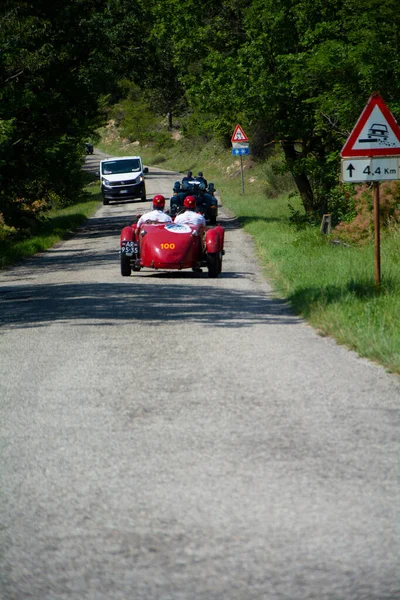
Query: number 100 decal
[[167, 246]]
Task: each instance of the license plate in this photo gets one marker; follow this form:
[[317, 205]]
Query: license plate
[[129, 248], [123, 191]]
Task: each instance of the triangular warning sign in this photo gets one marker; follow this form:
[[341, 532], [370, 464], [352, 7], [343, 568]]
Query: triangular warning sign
[[376, 132], [239, 135]]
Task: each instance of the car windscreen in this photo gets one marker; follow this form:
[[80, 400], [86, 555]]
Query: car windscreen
[[130, 165]]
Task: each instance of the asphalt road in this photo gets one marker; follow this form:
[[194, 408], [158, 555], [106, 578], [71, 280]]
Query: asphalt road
[[173, 437]]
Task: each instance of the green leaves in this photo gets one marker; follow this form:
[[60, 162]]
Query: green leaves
[[296, 72], [58, 59]]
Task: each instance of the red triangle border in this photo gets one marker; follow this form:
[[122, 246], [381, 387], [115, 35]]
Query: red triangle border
[[243, 139], [348, 150]]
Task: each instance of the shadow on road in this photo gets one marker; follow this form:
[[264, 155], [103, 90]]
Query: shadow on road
[[156, 303]]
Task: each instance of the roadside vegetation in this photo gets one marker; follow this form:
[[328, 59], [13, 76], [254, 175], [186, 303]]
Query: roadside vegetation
[[42, 232]]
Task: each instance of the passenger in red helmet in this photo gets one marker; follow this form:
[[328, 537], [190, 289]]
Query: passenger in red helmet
[[158, 202], [190, 216], [190, 202], [157, 214]]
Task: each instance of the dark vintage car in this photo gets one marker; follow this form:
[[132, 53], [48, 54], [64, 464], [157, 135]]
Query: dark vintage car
[[206, 202], [171, 246]]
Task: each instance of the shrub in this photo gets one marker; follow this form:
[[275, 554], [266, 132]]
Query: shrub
[[163, 139], [341, 204], [5, 231], [359, 230]]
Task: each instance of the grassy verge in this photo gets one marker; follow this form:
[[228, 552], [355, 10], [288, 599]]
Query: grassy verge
[[330, 285], [57, 225]]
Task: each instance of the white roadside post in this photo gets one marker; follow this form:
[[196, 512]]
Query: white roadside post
[[372, 154], [240, 146]]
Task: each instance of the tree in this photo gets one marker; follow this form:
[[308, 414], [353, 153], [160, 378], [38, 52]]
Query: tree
[[58, 58], [300, 69]]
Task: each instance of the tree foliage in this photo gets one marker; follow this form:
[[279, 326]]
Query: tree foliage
[[298, 72], [58, 59], [293, 72]]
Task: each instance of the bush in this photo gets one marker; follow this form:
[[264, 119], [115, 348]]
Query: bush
[[6, 232], [360, 229], [341, 204], [163, 139]]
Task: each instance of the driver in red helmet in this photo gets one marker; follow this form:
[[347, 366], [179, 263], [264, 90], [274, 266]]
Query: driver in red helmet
[[157, 214], [190, 216]]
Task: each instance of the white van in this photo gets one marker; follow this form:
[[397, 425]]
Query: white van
[[122, 178]]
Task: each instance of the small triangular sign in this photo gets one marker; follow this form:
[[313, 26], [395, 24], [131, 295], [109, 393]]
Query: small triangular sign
[[239, 135], [376, 132]]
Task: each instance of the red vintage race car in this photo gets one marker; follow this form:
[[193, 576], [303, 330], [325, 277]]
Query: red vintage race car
[[171, 246]]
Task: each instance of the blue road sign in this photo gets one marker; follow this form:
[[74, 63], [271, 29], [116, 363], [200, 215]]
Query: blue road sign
[[240, 151]]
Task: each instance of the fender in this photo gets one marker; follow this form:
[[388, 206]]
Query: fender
[[128, 234], [215, 239]]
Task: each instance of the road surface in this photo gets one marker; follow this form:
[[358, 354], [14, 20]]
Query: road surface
[[173, 437]]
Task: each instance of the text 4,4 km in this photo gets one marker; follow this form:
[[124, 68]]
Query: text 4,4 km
[[370, 169], [379, 171]]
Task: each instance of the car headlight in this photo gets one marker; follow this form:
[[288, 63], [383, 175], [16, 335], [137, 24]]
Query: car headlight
[[106, 182]]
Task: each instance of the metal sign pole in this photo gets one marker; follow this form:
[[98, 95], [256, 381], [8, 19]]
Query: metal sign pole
[[377, 235], [241, 169]]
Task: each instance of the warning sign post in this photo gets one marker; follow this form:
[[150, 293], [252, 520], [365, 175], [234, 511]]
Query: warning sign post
[[372, 154], [240, 146]]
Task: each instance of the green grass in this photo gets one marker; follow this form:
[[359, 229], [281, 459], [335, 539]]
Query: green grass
[[57, 225], [330, 285]]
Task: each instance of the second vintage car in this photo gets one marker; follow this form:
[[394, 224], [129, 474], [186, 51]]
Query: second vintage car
[[206, 202]]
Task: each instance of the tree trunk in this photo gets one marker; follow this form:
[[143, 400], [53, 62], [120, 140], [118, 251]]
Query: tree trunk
[[300, 178], [170, 119]]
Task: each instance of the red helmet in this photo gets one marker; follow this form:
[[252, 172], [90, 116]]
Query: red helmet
[[158, 201], [190, 202]]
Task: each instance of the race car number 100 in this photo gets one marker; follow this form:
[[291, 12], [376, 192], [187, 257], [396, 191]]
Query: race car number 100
[[168, 246]]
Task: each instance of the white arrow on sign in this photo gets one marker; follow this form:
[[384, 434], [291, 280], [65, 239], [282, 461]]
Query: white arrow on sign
[[356, 170]]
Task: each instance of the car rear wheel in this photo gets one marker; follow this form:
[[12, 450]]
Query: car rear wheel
[[214, 264], [125, 266]]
